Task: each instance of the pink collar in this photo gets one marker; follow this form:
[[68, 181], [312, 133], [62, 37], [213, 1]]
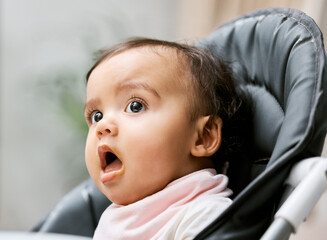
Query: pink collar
[[144, 218]]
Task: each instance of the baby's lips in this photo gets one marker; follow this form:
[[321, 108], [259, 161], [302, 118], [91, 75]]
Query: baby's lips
[[110, 169]]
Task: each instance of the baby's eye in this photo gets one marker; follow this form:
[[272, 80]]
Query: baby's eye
[[135, 107], [96, 117]]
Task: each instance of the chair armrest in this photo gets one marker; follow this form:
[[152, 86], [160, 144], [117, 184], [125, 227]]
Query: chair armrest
[[309, 177]]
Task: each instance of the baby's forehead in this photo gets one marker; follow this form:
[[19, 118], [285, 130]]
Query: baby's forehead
[[164, 60], [171, 59], [174, 58]]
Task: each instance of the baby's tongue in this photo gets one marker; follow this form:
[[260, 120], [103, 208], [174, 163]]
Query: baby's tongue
[[114, 166]]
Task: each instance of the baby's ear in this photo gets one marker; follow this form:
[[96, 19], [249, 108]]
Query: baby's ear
[[208, 136]]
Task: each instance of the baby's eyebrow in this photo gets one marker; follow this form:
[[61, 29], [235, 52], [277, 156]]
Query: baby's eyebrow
[[138, 85], [92, 103]]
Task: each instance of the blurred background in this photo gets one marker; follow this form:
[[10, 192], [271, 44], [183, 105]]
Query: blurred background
[[46, 48]]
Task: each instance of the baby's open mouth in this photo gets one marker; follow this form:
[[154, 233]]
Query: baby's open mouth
[[111, 165], [112, 162], [110, 157]]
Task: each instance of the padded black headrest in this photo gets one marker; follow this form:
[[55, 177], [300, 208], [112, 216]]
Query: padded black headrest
[[278, 59], [277, 56]]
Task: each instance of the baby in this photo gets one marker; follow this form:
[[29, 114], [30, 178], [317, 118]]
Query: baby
[[155, 111]]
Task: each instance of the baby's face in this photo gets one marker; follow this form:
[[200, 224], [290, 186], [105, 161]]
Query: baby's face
[[140, 133]]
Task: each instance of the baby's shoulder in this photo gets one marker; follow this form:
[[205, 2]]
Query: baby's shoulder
[[207, 206], [195, 216]]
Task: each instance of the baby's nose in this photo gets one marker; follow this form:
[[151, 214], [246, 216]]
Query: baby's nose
[[106, 128], [100, 133]]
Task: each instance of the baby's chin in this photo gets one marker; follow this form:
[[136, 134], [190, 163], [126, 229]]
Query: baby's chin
[[124, 200], [128, 198], [121, 194]]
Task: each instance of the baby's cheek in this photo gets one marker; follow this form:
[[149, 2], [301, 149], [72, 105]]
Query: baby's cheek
[[90, 158]]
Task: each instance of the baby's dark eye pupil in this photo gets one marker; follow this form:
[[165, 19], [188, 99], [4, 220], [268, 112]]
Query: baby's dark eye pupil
[[136, 107], [97, 116]]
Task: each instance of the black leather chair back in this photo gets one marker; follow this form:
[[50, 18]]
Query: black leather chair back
[[279, 62]]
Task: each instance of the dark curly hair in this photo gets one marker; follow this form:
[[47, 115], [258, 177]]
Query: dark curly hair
[[213, 86]]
